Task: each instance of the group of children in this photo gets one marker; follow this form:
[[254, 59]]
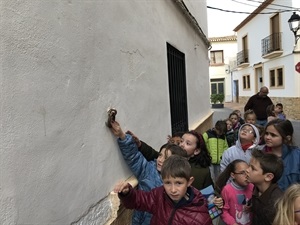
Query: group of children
[[248, 178]]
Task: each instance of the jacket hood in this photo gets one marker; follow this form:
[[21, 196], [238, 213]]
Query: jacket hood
[[257, 136]]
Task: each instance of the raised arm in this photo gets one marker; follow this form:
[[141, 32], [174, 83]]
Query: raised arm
[[148, 152], [134, 159]]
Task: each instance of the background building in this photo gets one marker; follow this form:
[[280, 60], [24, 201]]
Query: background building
[[222, 63], [63, 64], [267, 55]]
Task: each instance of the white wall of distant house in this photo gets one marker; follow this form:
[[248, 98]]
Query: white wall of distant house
[[259, 26], [224, 71]]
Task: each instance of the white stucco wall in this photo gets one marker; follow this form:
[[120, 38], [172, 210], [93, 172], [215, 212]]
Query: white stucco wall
[[256, 30], [219, 72], [63, 63]]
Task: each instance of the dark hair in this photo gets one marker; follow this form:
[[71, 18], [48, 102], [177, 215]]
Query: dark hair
[[174, 149], [279, 104], [163, 146], [203, 158], [221, 126], [178, 134], [233, 114], [270, 110], [176, 166], [269, 163], [284, 128], [260, 128], [222, 179]]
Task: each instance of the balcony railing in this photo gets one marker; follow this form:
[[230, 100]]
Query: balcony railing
[[242, 57], [271, 43]]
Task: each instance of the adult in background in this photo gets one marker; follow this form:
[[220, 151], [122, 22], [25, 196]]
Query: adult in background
[[259, 103]]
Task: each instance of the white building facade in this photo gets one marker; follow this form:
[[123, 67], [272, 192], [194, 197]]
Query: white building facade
[[267, 56], [63, 64], [222, 64]]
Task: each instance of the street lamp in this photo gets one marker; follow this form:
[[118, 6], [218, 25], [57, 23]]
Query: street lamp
[[294, 23]]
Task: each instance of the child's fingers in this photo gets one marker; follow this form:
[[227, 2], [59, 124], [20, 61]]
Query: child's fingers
[[218, 202], [119, 186], [122, 187]]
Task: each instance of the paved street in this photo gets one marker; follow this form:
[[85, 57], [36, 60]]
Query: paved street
[[229, 107]]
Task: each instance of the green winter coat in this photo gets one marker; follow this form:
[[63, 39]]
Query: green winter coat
[[216, 145]]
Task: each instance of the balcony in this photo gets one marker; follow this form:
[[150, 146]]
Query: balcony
[[271, 46], [242, 59]]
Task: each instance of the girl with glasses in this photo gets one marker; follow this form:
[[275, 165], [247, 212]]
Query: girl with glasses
[[236, 193], [248, 139]]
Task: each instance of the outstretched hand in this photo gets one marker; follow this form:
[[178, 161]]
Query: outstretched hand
[[117, 130], [135, 138], [122, 187]]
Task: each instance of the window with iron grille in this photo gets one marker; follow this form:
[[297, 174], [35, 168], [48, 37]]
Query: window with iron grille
[[177, 89]]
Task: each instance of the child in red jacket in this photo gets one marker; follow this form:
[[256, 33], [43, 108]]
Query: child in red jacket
[[176, 202]]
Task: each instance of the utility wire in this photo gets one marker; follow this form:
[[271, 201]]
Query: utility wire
[[285, 6], [255, 6], [231, 11]]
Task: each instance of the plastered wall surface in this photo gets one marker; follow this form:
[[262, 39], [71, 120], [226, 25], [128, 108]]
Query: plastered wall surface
[[63, 63]]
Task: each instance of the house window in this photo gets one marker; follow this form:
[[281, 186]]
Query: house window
[[246, 82], [217, 86], [216, 57], [276, 77]]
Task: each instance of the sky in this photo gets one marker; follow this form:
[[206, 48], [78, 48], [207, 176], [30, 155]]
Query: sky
[[222, 23]]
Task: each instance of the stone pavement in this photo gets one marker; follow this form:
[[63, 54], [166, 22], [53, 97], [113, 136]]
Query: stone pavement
[[223, 113]]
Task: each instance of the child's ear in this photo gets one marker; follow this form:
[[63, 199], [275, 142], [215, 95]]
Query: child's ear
[[269, 177], [197, 151], [191, 181], [232, 175]]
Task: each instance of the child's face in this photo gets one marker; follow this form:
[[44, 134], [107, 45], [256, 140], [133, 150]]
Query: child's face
[[251, 118], [272, 137], [247, 134], [254, 172], [297, 208], [278, 109], [176, 187], [189, 144], [229, 125], [240, 174], [163, 155], [175, 140], [234, 119]]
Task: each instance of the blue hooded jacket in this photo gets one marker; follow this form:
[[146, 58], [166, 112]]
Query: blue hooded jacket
[[146, 173], [291, 171]]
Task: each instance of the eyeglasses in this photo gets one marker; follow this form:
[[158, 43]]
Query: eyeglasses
[[247, 131], [241, 173]]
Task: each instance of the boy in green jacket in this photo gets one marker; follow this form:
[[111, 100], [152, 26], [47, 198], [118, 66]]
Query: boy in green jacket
[[216, 143]]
